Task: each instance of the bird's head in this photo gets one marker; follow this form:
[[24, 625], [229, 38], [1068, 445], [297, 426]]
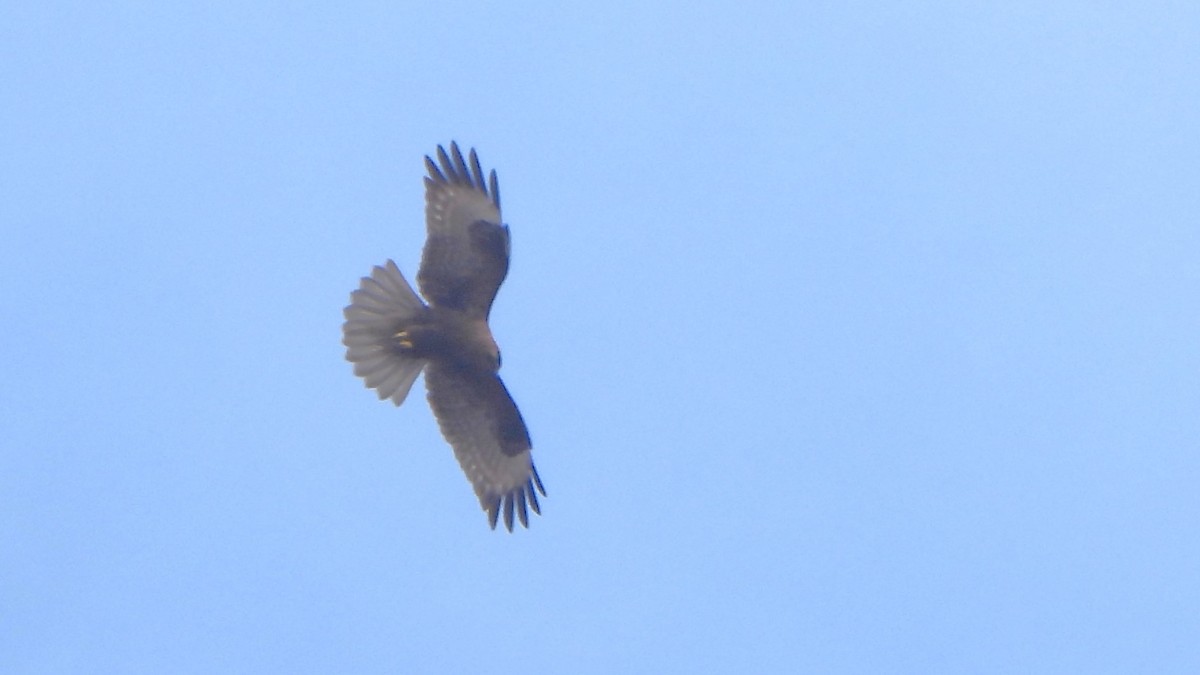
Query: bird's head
[[481, 335]]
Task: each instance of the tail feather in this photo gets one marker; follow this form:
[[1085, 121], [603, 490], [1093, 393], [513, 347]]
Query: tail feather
[[381, 306]]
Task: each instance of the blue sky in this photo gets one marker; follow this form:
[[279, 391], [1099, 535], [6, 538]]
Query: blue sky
[[852, 337]]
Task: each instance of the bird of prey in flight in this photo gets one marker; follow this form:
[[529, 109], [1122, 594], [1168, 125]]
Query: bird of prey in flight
[[391, 336]]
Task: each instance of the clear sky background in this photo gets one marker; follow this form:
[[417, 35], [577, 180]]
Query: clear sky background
[[852, 337]]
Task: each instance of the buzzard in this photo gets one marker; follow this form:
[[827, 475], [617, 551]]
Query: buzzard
[[391, 336]]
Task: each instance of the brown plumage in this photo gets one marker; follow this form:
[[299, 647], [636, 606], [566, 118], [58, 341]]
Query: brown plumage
[[391, 336]]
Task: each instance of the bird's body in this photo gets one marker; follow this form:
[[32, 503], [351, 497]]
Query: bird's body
[[391, 335], [447, 336]]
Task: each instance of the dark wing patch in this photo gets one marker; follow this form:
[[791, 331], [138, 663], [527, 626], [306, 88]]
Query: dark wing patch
[[467, 248], [481, 422]]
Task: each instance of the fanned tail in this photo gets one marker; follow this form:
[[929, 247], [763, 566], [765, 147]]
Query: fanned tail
[[382, 306]]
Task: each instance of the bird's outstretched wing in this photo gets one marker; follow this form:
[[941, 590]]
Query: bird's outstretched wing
[[479, 419], [467, 248]]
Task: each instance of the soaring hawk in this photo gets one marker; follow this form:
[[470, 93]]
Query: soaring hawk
[[391, 336]]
